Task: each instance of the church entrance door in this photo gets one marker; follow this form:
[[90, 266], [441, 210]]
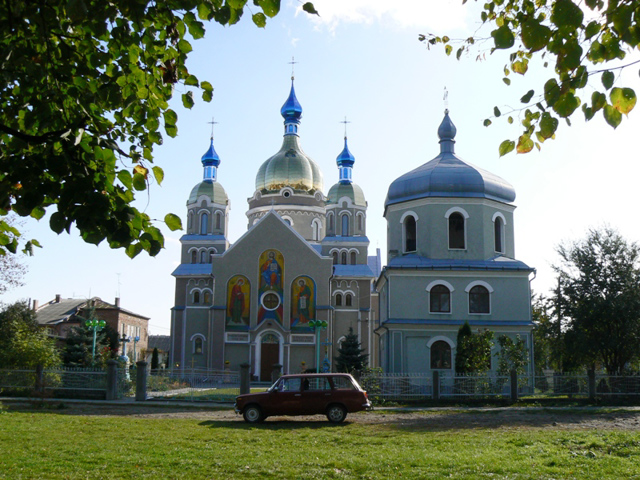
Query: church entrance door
[[269, 356]]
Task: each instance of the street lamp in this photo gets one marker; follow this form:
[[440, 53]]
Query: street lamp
[[318, 325], [94, 324]]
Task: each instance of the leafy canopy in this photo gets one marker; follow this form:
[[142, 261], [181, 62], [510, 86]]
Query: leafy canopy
[[85, 87], [585, 43], [473, 350]]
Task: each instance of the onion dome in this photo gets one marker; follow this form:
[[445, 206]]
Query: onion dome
[[209, 185], [290, 167], [345, 163], [345, 186], [449, 176]]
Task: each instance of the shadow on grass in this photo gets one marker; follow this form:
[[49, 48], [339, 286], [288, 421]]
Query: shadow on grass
[[275, 424]]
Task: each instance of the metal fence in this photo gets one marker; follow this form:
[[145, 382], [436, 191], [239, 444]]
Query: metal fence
[[397, 386], [193, 385]]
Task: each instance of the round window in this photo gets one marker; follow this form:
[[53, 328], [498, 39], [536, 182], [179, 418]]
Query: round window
[[270, 301], [286, 194]]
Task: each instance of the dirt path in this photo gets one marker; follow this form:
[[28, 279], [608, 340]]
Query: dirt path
[[609, 418]]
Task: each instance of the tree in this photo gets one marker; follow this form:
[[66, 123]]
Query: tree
[[350, 357], [473, 351], [79, 343], [579, 40], [12, 270], [599, 278], [155, 361], [513, 355], [85, 87], [22, 342]]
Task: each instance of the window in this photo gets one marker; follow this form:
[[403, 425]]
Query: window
[[479, 300], [498, 232], [410, 234], [197, 345], [338, 300], [190, 221], [335, 258], [196, 297], [456, 231], [344, 258], [218, 220], [345, 225], [348, 300], [360, 222], [330, 220], [203, 257], [194, 256], [440, 299], [207, 298], [440, 355], [353, 258], [315, 230], [204, 224]]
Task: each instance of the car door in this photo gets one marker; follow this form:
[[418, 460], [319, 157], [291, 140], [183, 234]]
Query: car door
[[286, 400], [316, 396]]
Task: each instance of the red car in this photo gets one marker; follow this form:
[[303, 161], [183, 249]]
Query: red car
[[331, 394]]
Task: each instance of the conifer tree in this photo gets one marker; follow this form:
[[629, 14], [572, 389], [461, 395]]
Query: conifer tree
[[350, 357], [154, 359]]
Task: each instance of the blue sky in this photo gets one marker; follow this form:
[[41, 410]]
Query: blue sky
[[362, 60]]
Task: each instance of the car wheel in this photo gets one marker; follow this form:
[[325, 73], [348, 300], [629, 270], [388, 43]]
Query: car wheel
[[252, 414], [336, 413]]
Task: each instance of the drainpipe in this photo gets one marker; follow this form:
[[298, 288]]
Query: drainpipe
[[532, 367]]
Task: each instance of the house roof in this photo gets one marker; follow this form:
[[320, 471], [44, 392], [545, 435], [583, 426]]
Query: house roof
[[161, 342], [62, 310]]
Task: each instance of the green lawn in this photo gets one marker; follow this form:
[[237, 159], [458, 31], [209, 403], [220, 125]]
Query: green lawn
[[50, 444]]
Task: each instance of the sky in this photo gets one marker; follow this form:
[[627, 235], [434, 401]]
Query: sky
[[361, 60]]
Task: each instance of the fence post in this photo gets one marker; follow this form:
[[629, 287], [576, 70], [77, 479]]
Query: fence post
[[276, 373], [436, 385], [245, 386], [39, 379], [592, 384], [514, 385], [141, 381], [112, 380]]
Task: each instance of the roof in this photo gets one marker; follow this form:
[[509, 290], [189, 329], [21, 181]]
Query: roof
[[449, 176], [499, 263], [341, 239], [63, 310], [350, 190], [161, 342], [448, 321], [213, 190], [188, 269], [202, 238], [375, 263], [352, 271]]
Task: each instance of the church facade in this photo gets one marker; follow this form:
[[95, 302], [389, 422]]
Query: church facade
[[288, 291]]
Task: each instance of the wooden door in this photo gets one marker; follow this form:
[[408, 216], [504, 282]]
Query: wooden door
[[269, 356]]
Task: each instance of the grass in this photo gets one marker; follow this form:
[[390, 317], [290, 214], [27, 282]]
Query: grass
[[54, 444]]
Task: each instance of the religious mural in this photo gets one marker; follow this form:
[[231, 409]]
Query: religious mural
[[238, 303], [271, 291], [303, 302]]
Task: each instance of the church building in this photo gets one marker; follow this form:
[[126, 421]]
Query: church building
[[288, 290]]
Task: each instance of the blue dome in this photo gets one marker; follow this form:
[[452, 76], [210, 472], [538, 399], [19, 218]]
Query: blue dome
[[345, 159], [449, 176], [291, 110], [211, 157]]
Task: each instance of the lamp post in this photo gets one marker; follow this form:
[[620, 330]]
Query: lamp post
[[94, 324], [135, 340], [318, 325]]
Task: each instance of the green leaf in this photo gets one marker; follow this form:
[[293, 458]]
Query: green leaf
[[525, 144], [526, 98], [125, 178], [170, 117], [535, 36], [272, 7], [187, 99], [565, 13], [139, 182], [592, 29], [487, 122], [191, 80], [259, 19], [506, 80], [607, 79], [598, 101], [448, 49], [496, 111], [173, 222], [503, 37], [566, 104], [57, 222], [38, 213], [547, 126], [612, 116], [506, 147], [196, 28], [133, 250], [309, 8], [520, 66], [158, 173], [551, 92], [623, 99]]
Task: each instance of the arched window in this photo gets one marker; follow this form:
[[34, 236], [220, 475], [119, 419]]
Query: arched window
[[348, 300], [440, 355], [211, 254], [353, 258], [335, 258], [196, 297], [218, 220], [456, 231], [197, 345], [190, 221], [207, 298], [440, 299], [203, 256], [338, 300], [194, 256], [344, 258], [315, 230], [360, 222], [498, 233], [479, 300], [410, 234], [204, 224], [330, 221], [345, 225]]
